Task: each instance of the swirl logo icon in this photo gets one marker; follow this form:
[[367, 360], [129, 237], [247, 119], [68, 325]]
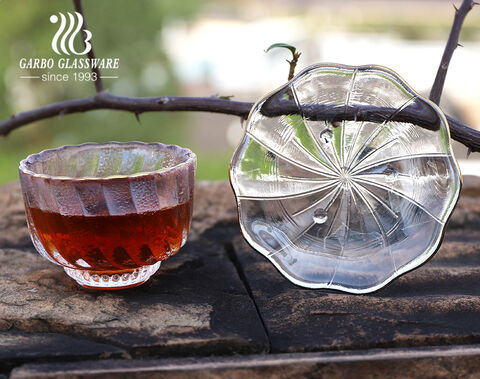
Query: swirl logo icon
[[64, 38]]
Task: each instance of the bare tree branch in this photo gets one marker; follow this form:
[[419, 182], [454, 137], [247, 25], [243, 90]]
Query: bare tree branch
[[91, 54], [104, 100], [464, 134], [452, 44]]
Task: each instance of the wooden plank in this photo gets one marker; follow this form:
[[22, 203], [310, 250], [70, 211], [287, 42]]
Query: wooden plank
[[437, 304], [432, 362], [17, 347], [195, 305]]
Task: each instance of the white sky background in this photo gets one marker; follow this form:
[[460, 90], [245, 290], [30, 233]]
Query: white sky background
[[225, 55], [231, 55]]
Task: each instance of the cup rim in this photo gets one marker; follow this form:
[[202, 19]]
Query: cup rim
[[191, 157]]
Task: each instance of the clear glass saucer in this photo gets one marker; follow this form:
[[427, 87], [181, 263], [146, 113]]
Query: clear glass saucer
[[345, 178]]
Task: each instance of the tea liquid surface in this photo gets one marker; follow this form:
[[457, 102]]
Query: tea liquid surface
[[113, 243]]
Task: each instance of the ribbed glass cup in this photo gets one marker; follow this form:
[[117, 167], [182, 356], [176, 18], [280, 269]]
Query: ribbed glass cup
[[109, 213]]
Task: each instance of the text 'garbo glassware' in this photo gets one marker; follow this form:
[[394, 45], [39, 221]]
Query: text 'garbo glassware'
[[345, 178], [109, 213]]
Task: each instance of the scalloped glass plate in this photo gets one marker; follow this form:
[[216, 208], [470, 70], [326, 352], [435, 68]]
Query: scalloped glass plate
[[345, 178]]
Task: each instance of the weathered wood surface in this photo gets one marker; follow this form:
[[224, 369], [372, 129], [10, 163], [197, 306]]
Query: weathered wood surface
[[436, 304], [218, 297], [196, 305], [403, 363]]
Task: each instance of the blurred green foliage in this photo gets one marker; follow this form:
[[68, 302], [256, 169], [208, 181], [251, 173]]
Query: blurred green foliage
[[132, 31], [129, 30]]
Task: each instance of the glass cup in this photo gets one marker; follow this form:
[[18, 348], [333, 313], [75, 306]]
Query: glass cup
[[109, 213]]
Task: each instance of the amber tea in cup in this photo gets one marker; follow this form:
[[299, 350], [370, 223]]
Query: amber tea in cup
[[109, 213]]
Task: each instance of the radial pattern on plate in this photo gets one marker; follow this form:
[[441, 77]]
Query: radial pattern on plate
[[345, 178]]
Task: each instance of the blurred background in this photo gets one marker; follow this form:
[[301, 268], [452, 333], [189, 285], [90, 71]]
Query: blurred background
[[216, 48]]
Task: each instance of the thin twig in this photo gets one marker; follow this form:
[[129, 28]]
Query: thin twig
[[91, 54], [295, 56], [293, 64], [452, 44]]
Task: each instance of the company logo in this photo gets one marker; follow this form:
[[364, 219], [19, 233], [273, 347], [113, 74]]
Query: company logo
[[69, 66], [64, 39]]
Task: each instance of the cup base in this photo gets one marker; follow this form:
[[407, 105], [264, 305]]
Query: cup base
[[112, 280]]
